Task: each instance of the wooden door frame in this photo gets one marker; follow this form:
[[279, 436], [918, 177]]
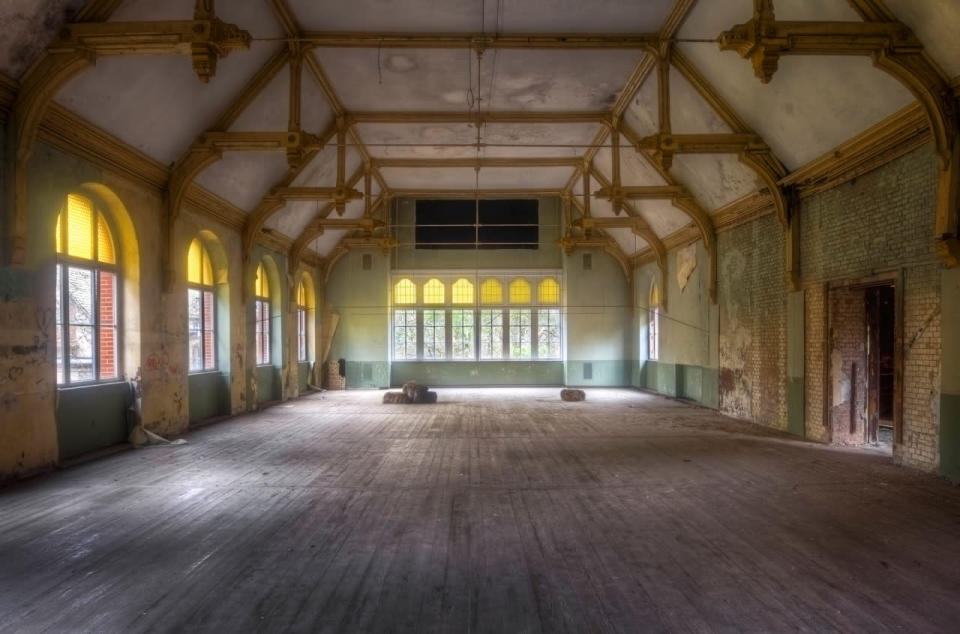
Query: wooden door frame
[[888, 278]]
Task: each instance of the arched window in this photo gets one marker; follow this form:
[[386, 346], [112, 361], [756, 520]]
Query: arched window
[[519, 291], [653, 329], [404, 292], [201, 309], [305, 307], [87, 299], [548, 292], [463, 291], [433, 292], [261, 291], [491, 292]]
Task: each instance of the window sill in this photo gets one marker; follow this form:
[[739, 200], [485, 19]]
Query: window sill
[[88, 384], [476, 360], [203, 372]]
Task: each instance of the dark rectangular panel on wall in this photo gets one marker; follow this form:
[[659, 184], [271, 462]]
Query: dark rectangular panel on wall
[[467, 224]]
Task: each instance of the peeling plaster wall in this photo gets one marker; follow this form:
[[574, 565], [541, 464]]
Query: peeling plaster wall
[[27, 26], [688, 363], [752, 321]]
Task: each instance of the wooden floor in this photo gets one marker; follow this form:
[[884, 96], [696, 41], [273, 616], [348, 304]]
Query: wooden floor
[[495, 511]]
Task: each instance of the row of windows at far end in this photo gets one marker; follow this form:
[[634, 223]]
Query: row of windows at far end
[[466, 334], [434, 291]]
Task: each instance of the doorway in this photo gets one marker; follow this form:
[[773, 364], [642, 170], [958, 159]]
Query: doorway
[[863, 406]]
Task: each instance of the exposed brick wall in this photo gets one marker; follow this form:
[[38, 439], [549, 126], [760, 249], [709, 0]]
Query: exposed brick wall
[[753, 318], [881, 222]]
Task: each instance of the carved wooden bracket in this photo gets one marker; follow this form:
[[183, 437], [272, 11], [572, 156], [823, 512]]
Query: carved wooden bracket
[[205, 41], [894, 49]]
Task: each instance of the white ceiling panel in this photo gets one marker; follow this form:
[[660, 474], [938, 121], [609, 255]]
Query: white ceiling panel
[[629, 242], [244, 177], [643, 114], [156, 103], [813, 103], [662, 216], [689, 112], [465, 177], [715, 179], [531, 79], [412, 140], [269, 111], [315, 112]]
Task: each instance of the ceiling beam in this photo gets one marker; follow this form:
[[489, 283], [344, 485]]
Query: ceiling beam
[[478, 162], [472, 194], [524, 116], [316, 193], [479, 41]]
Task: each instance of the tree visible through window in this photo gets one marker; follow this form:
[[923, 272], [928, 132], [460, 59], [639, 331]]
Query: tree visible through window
[[434, 334], [548, 333], [491, 334], [201, 309], [404, 334], [86, 295]]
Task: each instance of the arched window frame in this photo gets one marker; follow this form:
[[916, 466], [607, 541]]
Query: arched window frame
[[201, 309], [105, 321], [261, 292]]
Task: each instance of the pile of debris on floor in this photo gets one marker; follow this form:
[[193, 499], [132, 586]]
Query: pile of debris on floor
[[411, 393]]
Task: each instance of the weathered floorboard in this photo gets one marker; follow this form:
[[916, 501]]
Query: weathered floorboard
[[494, 510]]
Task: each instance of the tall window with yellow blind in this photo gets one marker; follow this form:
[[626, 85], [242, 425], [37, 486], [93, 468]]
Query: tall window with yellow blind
[[87, 295], [261, 292], [201, 309]]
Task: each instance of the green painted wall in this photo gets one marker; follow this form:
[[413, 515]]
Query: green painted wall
[[360, 298], [478, 373], [598, 320], [92, 417], [303, 375], [209, 395], [689, 324], [950, 374]]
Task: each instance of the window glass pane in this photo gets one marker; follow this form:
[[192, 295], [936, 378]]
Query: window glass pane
[[302, 334], [491, 334], [209, 356], [80, 296], [79, 227], [107, 351], [195, 347], [434, 334], [491, 292], [519, 291], [108, 299], [81, 353], [404, 334], [404, 292], [433, 292], [59, 321], [520, 333], [194, 309], [59, 238], [548, 333], [463, 334], [549, 291], [105, 252], [463, 292]]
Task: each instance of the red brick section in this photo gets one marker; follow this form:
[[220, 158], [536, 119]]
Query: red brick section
[[208, 331], [108, 331], [881, 222], [753, 315]]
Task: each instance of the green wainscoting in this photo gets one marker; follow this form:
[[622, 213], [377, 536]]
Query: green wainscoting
[[463, 373], [601, 373], [268, 384], [92, 417], [209, 395]]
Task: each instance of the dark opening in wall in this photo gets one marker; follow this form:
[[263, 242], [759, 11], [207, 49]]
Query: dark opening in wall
[[463, 224]]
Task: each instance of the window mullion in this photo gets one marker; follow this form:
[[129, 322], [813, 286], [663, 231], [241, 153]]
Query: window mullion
[[505, 325], [96, 318], [419, 319], [534, 334]]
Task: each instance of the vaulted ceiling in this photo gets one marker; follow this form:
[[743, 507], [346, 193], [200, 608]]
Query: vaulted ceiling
[[427, 114]]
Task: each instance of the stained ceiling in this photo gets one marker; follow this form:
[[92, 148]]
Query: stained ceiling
[[414, 108]]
